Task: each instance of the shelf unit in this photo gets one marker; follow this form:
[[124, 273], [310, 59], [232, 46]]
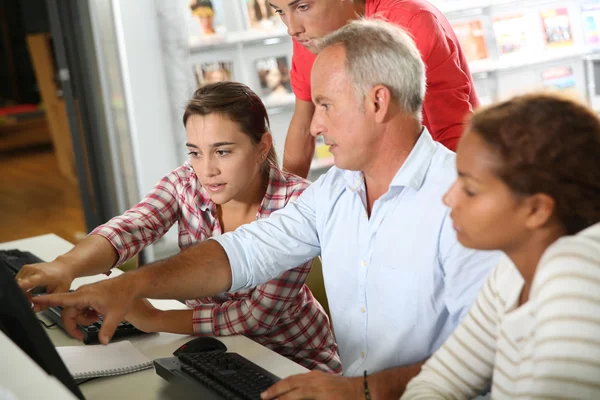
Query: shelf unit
[[496, 78]]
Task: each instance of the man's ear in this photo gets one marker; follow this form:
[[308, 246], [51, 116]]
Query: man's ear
[[540, 210], [378, 100]]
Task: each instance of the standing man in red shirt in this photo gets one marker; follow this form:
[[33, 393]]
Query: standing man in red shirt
[[450, 90]]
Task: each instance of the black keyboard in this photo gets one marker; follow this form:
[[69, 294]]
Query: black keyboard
[[228, 375], [14, 260]]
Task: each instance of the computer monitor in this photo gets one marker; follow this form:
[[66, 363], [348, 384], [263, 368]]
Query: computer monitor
[[20, 324]]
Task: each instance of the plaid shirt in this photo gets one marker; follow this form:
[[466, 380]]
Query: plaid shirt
[[281, 314]]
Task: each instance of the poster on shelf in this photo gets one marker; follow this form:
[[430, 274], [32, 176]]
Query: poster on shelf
[[274, 77], [261, 15], [205, 18], [590, 15], [557, 27], [560, 79], [471, 36], [211, 72], [510, 34]]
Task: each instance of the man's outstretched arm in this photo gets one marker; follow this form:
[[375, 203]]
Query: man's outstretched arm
[[259, 251], [200, 271]]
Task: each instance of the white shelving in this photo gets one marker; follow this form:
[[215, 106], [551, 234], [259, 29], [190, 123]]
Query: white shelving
[[508, 63], [198, 44], [459, 6]]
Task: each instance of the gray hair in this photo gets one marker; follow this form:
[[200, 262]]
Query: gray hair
[[380, 53]]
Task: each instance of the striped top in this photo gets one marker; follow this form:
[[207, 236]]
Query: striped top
[[549, 348]]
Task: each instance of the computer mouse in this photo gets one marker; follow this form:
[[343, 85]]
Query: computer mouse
[[201, 344]]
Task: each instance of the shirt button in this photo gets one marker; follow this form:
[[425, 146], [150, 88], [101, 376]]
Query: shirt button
[[363, 263], [363, 310], [362, 354]]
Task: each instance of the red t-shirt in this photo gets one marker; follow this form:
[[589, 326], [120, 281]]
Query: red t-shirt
[[450, 91]]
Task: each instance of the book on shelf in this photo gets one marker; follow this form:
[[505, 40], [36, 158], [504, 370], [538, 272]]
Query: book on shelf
[[205, 19], [274, 77], [211, 72], [557, 27], [590, 15], [560, 79], [510, 34], [471, 36], [261, 15]]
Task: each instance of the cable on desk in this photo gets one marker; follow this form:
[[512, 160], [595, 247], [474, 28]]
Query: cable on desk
[[46, 325], [85, 380]]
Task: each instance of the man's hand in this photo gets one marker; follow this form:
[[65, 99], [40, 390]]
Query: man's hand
[[144, 316], [316, 385], [54, 276], [112, 298]]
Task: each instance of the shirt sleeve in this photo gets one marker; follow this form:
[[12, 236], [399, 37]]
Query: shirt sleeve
[[264, 249], [255, 315], [565, 298], [462, 368], [447, 101], [145, 223], [300, 73]]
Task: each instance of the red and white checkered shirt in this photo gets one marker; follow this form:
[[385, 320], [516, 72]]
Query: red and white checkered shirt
[[281, 314]]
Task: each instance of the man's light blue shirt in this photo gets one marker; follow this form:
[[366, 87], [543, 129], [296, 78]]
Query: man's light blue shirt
[[397, 283]]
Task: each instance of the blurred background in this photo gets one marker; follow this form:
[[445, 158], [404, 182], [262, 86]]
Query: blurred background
[[92, 91]]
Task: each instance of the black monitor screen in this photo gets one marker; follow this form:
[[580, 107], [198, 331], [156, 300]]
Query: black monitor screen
[[20, 324]]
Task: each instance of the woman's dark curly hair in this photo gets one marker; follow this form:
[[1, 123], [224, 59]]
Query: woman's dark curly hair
[[547, 144]]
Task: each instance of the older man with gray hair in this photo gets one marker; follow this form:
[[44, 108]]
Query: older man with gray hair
[[397, 280]]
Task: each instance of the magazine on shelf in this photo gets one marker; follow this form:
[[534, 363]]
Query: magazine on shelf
[[211, 72], [205, 19], [471, 36], [560, 79], [261, 15], [274, 77], [510, 34], [590, 15], [557, 27]]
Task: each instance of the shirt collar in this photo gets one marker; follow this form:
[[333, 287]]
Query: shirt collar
[[411, 174]]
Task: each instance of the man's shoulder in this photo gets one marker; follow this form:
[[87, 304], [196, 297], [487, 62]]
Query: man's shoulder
[[302, 57], [442, 169], [400, 12]]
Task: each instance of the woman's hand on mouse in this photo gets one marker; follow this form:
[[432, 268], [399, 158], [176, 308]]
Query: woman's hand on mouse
[[144, 316]]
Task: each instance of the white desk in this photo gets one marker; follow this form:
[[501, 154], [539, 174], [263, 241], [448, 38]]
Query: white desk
[[145, 384]]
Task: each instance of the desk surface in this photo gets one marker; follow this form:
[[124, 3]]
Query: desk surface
[[145, 384]]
